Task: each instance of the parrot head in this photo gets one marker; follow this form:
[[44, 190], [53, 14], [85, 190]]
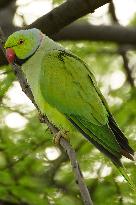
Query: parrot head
[[22, 44]]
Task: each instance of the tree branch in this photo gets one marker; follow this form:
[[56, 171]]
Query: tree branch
[[107, 33], [123, 54], [65, 14], [76, 169], [71, 153]]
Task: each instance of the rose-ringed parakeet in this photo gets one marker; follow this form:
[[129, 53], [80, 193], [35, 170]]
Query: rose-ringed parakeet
[[65, 90]]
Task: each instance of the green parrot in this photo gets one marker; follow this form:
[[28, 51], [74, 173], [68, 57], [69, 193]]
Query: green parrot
[[65, 89]]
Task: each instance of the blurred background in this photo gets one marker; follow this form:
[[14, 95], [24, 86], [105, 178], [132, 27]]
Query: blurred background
[[33, 171]]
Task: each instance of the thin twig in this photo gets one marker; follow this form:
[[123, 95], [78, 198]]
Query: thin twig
[[123, 54], [76, 169], [127, 68], [64, 143]]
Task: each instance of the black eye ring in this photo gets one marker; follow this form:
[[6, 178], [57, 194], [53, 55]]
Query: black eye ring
[[21, 41]]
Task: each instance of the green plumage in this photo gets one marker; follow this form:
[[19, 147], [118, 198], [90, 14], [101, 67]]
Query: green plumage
[[68, 88], [66, 91]]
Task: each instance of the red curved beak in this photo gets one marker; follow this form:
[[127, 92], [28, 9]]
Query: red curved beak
[[10, 55]]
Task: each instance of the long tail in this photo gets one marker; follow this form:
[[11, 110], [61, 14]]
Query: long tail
[[122, 170], [127, 151]]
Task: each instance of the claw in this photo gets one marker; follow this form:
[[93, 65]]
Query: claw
[[64, 134]]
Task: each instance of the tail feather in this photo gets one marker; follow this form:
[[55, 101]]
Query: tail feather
[[113, 158], [127, 151], [127, 154], [122, 170]]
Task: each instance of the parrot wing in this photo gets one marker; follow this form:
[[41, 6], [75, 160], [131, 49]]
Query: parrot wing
[[69, 87]]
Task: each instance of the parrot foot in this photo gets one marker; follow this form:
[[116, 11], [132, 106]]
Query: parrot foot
[[61, 133]]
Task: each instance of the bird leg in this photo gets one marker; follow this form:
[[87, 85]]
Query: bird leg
[[61, 133]]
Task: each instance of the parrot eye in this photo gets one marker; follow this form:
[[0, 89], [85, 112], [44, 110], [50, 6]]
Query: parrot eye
[[21, 41]]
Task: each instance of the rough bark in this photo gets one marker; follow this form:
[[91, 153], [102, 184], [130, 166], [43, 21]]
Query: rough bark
[[86, 31], [65, 14]]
